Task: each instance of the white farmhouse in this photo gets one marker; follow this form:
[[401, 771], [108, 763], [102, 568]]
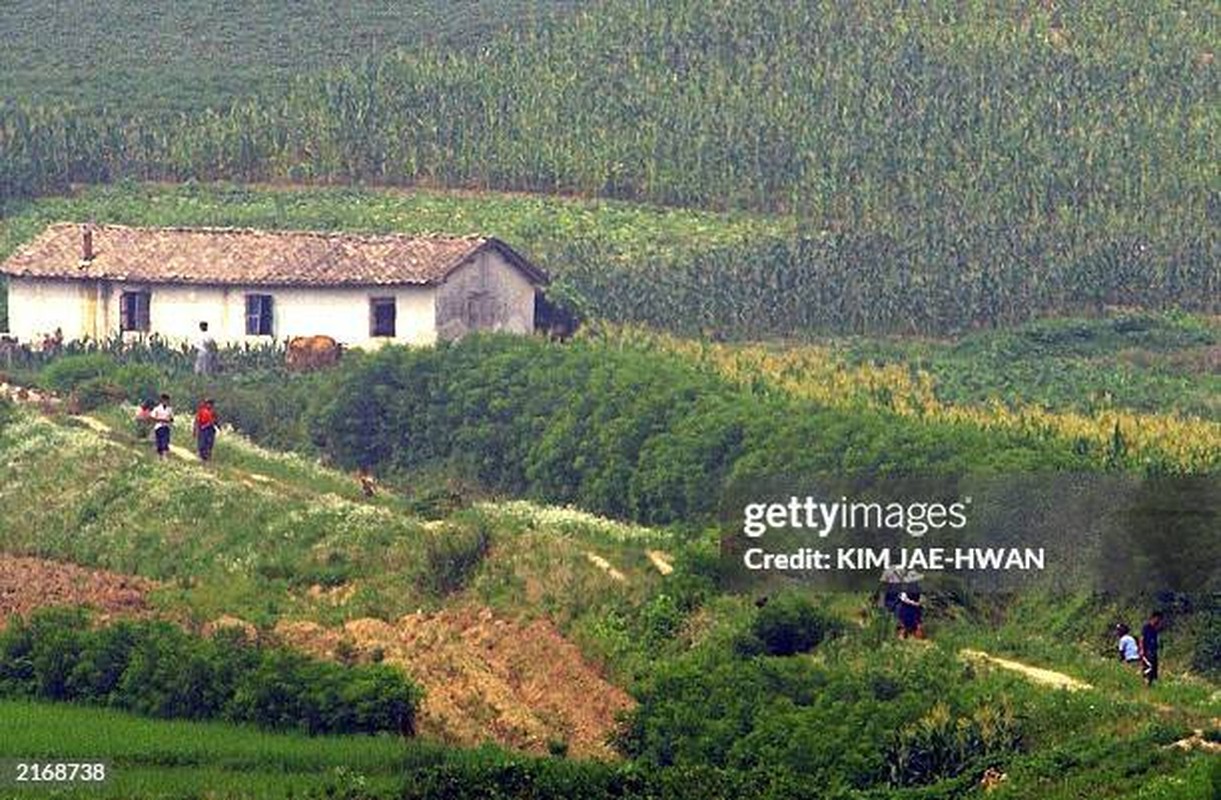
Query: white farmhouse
[[98, 281]]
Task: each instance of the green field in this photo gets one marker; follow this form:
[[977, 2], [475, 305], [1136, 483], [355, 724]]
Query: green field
[[1154, 364], [948, 166], [163, 758], [122, 58]]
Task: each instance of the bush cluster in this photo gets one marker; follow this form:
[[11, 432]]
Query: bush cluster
[[941, 745], [791, 623], [832, 726], [156, 669], [496, 776], [451, 557], [627, 432], [95, 379], [1206, 659]]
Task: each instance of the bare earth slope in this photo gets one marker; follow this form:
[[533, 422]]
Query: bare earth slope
[[30, 583], [518, 683]]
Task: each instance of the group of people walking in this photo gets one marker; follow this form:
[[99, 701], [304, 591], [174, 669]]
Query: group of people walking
[[161, 417], [1141, 653]]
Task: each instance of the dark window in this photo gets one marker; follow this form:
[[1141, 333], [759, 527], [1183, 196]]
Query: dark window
[[258, 315], [133, 311], [382, 311]]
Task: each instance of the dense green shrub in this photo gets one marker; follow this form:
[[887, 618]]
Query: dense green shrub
[[496, 776], [940, 745], [97, 392], [791, 623], [623, 431], [139, 382], [830, 726], [1206, 658], [155, 669], [451, 557], [69, 372]]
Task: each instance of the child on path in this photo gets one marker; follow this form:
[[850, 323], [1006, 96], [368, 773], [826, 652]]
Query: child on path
[[162, 416], [205, 429]]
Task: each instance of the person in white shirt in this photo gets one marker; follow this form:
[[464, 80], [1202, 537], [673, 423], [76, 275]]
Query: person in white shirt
[[162, 416], [1129, 652], [205, 352]]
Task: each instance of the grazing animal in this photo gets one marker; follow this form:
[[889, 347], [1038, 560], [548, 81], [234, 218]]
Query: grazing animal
[[311, 352]]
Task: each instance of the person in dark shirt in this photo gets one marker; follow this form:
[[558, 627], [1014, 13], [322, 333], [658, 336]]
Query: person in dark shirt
[[1149, 646]]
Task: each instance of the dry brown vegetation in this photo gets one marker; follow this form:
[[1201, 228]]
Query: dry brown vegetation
[[519, 683]]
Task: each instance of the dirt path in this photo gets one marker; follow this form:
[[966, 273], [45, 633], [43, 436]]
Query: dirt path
[[518, 683], [1044, 677], [661, 561], [29, 583], [606, 566], [97, 426]]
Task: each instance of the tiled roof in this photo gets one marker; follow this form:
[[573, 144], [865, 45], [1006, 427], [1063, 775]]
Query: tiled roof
[[241, 256]]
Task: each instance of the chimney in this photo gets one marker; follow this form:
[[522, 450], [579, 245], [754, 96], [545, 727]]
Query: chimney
[[86, 243]]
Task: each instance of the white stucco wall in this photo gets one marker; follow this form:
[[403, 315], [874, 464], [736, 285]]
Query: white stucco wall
[[89, 310], [36, 308]]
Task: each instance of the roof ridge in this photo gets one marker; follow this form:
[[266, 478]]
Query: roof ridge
[[320, 234]]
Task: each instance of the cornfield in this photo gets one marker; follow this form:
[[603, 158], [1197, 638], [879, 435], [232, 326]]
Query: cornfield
[[949, 165], [1113, 438]]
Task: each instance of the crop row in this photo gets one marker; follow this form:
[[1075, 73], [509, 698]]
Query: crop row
[[949, 165]]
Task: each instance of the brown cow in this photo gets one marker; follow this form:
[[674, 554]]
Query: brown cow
[[311, 352]]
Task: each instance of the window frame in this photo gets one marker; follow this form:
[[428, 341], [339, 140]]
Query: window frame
[[264, 316], [130, 307], [383, 302]]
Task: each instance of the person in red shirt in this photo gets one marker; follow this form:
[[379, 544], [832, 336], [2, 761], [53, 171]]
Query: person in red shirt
[[205, 429]]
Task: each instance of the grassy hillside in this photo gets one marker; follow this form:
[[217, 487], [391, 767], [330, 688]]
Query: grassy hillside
[[122, 58], [950, 166], [720, 715]]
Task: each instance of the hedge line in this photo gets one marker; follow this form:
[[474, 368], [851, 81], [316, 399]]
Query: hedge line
[[627, 432], [156, 669]]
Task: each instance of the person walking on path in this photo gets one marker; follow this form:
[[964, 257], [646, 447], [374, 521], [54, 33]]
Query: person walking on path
[[1149, 646], [205, 429], [162, 416], [910, 609]]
